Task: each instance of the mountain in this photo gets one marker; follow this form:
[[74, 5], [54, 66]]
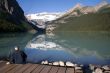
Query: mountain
[[80, 9], [12, 17], [43, 17], [84, 18]]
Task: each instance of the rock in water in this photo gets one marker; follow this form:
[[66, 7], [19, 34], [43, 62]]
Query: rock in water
[[61, 63], [46, 62], [98, 70], [92, 67], [56, 63], [106, 67], [70, 64]]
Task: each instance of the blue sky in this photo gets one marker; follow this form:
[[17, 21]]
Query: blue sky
[[33, 6]]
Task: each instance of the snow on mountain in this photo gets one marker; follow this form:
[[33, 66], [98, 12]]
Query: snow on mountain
[[40, 19], [44, 16]]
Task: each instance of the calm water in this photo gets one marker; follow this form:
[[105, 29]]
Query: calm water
[[78, 47], [9, 41]]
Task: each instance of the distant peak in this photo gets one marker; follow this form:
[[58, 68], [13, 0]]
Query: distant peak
[[78, 5]]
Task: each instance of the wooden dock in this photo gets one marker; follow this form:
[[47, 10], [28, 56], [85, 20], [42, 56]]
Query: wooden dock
[[36, 68]]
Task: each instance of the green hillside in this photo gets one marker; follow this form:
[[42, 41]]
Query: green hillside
[[99, 21], [89, 22], [84, 19]]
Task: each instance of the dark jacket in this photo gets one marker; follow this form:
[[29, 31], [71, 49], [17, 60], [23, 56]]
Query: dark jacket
[[18, 57]]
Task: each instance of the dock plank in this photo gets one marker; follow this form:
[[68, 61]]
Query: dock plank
[[54, 69], [8, 68], [70, 70], [4, 67], [62, 70], [23, 68], [2, 63], [15, 69], [46, 69], [38, 69], [30, 69]]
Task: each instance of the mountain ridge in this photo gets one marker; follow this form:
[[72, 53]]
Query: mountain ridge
[[85, 18]]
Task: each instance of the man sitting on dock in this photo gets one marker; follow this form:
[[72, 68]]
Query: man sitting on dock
[[17, 57]]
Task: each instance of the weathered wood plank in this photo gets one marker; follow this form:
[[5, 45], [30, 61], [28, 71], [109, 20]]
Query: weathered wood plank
[[46, 69], [2, 64], [8, 68], [38, 69], [62, 70], [70, 70], [23, 68], [4, 67], [30, 69], [15, 69], [54, 69]]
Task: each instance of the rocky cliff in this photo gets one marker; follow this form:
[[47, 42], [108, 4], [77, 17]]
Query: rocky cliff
[[12, 17]]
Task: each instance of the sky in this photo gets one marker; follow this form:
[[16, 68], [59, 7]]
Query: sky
[[37, 6]]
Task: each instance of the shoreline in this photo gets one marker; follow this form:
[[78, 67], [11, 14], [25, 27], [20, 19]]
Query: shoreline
[[6, 59], [86, 69]]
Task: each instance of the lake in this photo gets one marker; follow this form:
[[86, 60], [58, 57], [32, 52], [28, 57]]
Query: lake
[[77, 47]]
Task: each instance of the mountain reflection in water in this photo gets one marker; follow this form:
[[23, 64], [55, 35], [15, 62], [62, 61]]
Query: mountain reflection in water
[[81, 48]]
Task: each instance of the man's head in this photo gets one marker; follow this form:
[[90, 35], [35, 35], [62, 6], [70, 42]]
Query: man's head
[[16, 48]]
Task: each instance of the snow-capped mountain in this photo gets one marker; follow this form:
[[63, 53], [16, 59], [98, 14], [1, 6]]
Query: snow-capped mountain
[[44, 16], [40, 19]]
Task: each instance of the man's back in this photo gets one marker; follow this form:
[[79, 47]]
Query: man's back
[[18, 57]]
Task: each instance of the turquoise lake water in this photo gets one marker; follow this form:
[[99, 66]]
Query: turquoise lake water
[[78, 47]]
